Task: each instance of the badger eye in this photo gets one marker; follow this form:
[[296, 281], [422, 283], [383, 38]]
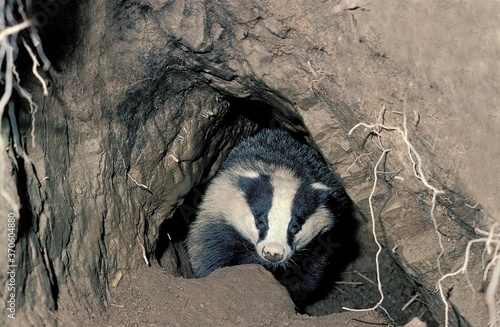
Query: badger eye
[[295, 228], [261, 225], [260, 222]]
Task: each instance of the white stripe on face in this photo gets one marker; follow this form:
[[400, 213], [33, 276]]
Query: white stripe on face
[[318, 222], [235, 209], [285, 187]]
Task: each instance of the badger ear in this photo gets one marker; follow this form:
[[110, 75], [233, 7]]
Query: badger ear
[[320, 186], [322, 190], [250, 174]]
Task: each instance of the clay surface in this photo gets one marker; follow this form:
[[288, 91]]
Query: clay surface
[[146, 99]]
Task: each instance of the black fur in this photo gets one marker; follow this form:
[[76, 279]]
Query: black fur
[[223, 245], [282, 149], [259, 195]]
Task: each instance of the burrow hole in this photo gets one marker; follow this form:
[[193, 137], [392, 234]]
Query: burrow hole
[[353, 279]]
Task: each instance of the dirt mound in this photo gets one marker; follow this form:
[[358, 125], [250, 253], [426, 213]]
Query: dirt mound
[[235, 296]]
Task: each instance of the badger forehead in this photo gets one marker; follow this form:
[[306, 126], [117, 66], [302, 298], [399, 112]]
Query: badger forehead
[[285, 200]]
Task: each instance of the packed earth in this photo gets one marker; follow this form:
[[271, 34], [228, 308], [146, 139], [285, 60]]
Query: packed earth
[[122, 111]]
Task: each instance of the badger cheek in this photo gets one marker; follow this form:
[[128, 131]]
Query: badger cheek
[[318, 223]]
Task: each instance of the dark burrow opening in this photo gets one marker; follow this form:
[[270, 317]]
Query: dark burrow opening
[[352, 280]]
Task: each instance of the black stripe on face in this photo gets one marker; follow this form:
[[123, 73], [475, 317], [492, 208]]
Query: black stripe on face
[[307, 200], [259, 195]]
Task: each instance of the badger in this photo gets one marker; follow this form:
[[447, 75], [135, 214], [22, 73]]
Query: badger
[[273, 202]]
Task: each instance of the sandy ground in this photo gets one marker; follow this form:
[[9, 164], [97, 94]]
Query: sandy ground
[[248, 295], [234, 296]]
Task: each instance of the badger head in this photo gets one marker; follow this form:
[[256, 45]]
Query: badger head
[[287, 213]]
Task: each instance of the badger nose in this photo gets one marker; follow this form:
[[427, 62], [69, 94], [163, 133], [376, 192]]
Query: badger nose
[[273, 252]]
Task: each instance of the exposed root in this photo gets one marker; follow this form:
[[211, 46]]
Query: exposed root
[[34, 68], [358, 160], [144, 252], [137, 183], [493, 266], [491, 293], [12, 203], [413, 299], [9, 77], [374, 225], [12, 30], [491, 240], [418, 172], [117, 279], [9, 50]]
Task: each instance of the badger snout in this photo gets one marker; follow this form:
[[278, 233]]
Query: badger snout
[[273, 252]]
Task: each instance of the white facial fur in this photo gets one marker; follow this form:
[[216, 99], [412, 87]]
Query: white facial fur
[[319, 222], [235, 209], [285, 186], [239, 215]]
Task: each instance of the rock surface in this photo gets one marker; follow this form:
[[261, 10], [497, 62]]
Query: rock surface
[[148, 97]]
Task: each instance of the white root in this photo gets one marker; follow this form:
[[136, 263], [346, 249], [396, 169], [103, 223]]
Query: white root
[[491, 238]]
